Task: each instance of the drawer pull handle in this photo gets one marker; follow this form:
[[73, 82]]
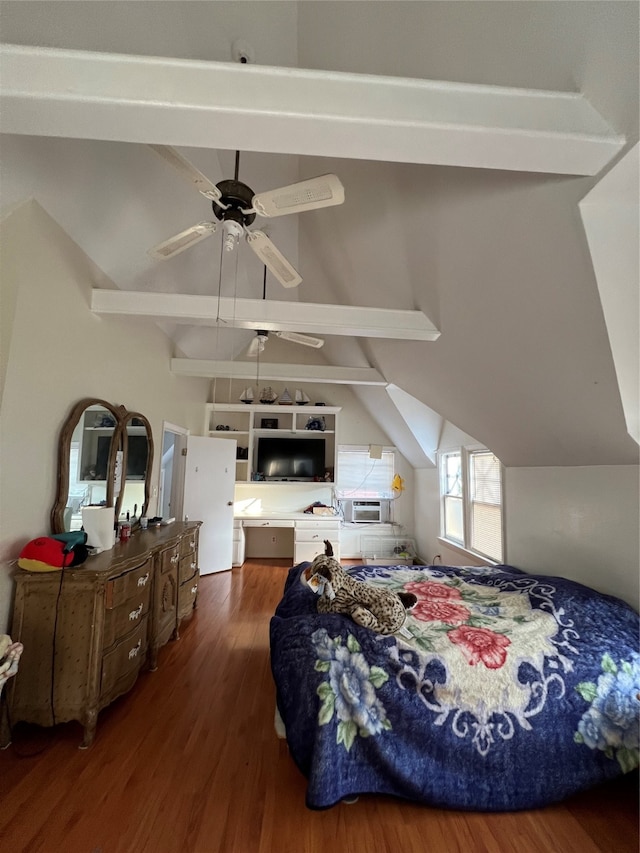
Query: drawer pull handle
[[316, 535], [193, 565], [135, 614], [194, 589], [175, 558], [143, 580], [192, 544], [134, 651]]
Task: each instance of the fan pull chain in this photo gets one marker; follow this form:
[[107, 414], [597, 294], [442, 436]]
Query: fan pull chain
[[218, 321], [233, 324]]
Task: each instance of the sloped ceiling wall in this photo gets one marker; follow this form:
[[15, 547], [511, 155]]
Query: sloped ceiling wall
[[498, 260]]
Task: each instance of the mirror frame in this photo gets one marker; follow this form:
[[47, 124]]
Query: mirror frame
[[122, 416]]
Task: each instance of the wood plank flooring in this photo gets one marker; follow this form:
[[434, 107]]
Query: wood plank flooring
[[189, 762]]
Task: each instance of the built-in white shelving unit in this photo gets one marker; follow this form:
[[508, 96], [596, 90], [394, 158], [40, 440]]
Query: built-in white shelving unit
[[247, 422]]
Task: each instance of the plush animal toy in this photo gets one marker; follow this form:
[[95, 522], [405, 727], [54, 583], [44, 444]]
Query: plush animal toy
[[379, 609]]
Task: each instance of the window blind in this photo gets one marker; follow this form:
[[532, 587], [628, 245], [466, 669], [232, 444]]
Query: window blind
[[359, 476], [485, 504]]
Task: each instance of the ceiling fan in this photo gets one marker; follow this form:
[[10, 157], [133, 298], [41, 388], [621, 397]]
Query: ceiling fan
[[236, 206], [258, 344]]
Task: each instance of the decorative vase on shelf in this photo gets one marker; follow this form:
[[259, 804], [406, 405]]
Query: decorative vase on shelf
[[301, 398], [285, 398], [268, 396]]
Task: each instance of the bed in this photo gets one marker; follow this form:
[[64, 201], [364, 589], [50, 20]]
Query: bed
[[506, 691]]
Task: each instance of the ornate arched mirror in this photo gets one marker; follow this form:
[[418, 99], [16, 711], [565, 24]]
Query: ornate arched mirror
[[136, 466], [105, 456]]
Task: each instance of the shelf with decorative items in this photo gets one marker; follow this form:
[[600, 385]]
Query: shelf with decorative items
[[248, 423]]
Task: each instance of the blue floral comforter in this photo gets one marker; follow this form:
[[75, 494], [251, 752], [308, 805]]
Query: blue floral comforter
[[508, 691]]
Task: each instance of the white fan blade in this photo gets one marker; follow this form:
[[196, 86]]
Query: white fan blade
[[273, 259], [184, 240], [188, 171], [306, 340], [323, 191], [256, 347]]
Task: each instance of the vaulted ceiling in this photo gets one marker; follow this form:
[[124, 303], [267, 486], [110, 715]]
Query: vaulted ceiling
[[490, 247]]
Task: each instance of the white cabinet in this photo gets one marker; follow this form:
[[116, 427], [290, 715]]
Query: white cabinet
[[238, 544], [309, 538], [247, 423]]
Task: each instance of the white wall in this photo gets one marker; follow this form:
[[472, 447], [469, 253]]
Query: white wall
[[59, 353], [580, 523]]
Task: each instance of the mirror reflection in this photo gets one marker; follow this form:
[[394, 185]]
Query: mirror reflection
[[88, 463], [134, 492], [105, 459]]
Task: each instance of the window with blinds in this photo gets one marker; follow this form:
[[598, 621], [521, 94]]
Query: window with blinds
[[360, 476], [485, 504], [471, 501]]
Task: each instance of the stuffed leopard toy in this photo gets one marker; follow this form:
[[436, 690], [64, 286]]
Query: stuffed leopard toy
[[379, 609]]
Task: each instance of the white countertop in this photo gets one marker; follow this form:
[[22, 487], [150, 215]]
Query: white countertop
[[275, 515]]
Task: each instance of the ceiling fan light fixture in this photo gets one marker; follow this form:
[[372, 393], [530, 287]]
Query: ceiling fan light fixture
[[232, 233]]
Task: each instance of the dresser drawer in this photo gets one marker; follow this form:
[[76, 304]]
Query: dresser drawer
[[187, 568], [189, 543], [315, 534], [125, 658], [128, 585], [170, 558], [319, 523], [268, 522], [120, 620], [306, 551], [187, 596]]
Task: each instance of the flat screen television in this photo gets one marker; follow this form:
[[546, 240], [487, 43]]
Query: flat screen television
[[290, 458]]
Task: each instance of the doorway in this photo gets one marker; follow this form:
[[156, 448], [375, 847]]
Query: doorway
[[171, 485]]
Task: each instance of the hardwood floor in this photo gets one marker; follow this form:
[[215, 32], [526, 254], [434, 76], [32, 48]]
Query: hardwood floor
[[189, 762]]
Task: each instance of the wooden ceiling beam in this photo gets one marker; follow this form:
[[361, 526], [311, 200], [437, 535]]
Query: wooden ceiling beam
[[149, 99], [278, 315], [246, 370]]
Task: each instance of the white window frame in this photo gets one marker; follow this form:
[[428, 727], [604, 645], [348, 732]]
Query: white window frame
[[464, 547]]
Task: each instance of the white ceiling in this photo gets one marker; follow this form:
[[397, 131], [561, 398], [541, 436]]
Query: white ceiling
[[497, 259]]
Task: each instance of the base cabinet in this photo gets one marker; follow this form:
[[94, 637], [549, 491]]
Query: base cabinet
[[239, 544], [88, 631], [309, 538]]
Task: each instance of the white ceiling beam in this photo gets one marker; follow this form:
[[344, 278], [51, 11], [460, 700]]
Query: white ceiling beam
[[279, 316], [143, 99], [247, 370]]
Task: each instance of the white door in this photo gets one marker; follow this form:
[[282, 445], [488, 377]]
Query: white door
[[210, 473]]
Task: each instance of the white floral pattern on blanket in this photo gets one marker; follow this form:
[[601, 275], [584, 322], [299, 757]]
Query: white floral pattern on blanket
[[481, 657]]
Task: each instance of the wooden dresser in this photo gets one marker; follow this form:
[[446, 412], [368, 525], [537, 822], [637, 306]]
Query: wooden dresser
[[88, 632]]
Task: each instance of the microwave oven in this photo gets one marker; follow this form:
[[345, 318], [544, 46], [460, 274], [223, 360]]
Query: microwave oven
[[366, 512]]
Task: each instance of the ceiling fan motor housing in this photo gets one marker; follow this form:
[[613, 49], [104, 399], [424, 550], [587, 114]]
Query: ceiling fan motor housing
[[236, 197]]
